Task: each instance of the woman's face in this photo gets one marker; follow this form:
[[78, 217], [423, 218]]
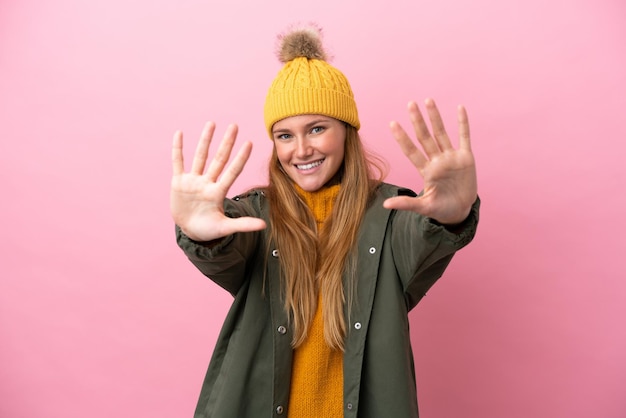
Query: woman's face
[[310, 148]]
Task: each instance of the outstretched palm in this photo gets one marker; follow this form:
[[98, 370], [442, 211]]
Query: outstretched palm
[[449, 174], [197, 197]]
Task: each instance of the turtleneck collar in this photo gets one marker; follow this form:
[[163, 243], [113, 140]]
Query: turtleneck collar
[[320, 202]]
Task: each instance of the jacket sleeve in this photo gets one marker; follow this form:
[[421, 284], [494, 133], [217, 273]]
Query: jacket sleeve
[[228, 261], [422, 249]]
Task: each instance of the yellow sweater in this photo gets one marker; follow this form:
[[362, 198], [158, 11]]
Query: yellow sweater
[[317, 371]]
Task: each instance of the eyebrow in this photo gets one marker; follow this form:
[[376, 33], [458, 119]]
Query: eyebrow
[[307, 126]]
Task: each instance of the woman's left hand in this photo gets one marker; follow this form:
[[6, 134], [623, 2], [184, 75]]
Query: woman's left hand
[[449, 174]]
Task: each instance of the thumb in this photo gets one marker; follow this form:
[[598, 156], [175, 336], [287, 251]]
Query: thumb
[[413, 204], [244, 224]]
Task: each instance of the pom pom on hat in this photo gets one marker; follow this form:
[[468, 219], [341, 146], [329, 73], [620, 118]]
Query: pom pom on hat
[[307, 83], [304, 41]]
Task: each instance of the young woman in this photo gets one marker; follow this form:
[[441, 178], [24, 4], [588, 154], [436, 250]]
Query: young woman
[[327, 260]]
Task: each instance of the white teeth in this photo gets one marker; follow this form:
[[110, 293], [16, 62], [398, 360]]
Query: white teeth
[[309, 166]]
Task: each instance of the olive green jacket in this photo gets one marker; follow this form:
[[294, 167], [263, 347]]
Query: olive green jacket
[[400, 256]]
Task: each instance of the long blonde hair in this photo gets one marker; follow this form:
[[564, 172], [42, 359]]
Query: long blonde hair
[[312, 260]]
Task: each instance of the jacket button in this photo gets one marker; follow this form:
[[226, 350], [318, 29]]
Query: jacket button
[[372, 250], [357, 325], [280, 409], [349, 405], [274, 253], [282, 330]]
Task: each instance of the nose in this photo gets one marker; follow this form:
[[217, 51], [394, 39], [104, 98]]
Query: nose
[[303, 147]]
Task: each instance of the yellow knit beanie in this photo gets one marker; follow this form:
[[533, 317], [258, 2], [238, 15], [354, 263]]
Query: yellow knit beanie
[[307, 84]]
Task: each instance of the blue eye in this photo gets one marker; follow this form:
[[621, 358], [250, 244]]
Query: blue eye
[[317, 130], [283, 136]]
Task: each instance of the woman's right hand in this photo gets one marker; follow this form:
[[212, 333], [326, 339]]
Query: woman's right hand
[[197, 197]]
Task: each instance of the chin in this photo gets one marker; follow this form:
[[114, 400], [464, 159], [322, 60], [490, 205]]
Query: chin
[[310, 187]]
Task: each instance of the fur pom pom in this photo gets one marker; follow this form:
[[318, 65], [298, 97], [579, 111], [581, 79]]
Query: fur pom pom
[[301, 41]]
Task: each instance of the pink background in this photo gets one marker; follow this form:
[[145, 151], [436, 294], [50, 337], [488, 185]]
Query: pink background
[[102, 316]]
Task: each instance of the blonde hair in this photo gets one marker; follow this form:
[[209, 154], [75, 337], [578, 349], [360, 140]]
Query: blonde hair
[[312, 260]]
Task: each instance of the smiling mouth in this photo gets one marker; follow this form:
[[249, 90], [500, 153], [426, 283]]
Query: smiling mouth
[[309, 165]]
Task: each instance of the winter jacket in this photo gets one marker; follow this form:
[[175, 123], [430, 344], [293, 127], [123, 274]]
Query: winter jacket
[[400, 256]]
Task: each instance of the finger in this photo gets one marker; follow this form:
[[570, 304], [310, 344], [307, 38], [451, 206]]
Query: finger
[[243, 224], [202, 149], [439, 130], [236, 166], [413, 204], [223, 153], [407, 146], [421, 130], [464, 131], [178, 166]]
